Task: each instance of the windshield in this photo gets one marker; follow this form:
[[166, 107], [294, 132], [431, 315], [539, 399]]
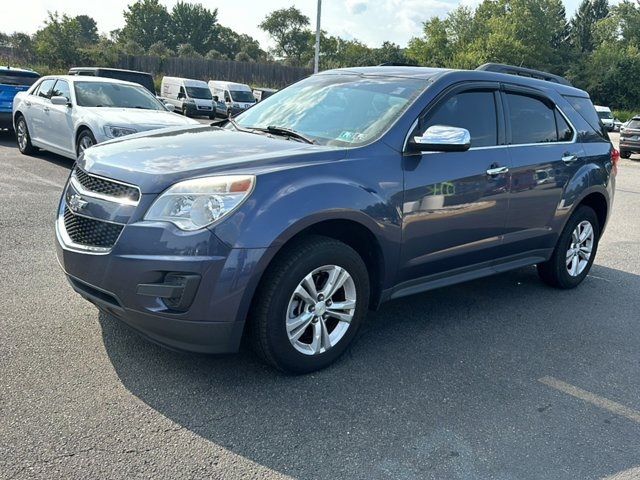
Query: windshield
[[605, 115], [103, 94], [12, 77], [242, 96], [199, 92], [336, 109], [634, 124]]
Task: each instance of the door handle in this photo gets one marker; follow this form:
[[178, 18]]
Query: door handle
[[569, 158], [497, 171], [46, 109], [28, 104]]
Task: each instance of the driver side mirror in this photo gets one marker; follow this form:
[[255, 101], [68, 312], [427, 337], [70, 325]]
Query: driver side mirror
[[215, 98], [442, 138], [181, 96], [169, 106], [59, 100]]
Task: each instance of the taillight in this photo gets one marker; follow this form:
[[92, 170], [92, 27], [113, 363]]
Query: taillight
[[615, 158]]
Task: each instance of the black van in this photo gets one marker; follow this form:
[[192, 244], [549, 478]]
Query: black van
[[143, 78]]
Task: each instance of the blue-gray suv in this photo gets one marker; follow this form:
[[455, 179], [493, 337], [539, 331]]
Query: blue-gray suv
[[287, 223]]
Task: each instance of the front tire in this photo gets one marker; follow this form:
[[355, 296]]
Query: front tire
[[625, 154], [85, 140], [575, 251], [23, 137], [309, 305]]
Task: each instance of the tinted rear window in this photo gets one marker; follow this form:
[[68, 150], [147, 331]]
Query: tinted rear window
[[532, 120], [140, 78], [585, 108], [15, 77]]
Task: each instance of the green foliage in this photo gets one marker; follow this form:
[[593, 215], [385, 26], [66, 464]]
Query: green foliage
[[289, 29], [58, 42], [146, 22], [625, 115], [88, 30], [195, 25], [187, 50], [159, 49]]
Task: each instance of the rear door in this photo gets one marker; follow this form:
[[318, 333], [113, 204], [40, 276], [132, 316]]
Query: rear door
[[545, 155], [36, 117]]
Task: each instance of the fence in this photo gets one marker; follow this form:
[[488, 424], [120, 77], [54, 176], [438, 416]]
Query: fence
[[255, 74]]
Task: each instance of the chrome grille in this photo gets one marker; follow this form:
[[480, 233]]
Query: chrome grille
[[90, 232], [108, 188]]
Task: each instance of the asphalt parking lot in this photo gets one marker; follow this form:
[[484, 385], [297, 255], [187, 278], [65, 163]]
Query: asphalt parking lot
[[501, 378]]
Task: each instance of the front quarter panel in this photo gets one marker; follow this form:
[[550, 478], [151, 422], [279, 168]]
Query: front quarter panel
[[365, 187]]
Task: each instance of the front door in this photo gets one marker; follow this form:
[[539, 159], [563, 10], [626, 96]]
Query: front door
[[455, 204], [60, 124]]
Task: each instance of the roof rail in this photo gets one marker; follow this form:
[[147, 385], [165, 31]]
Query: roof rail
[[524, 72], [396, 64]]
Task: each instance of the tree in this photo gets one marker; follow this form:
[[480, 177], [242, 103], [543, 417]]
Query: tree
[[214, 54], [88, 30], [159, 49], [288, 28], [582, 26], [187, 50], [193, 24], [146, 22], [58, 42], [131, 47]]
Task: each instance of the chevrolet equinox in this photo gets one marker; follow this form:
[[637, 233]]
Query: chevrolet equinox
[[288, 222]]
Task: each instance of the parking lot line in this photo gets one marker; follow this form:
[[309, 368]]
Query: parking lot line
[[613, 407]]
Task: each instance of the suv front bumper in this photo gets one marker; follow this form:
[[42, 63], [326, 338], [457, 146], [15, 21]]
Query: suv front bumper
[[130, 282]]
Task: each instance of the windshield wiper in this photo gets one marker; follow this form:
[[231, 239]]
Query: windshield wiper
[[288, 133]]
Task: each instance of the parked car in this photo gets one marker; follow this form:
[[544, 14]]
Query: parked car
[[263, 93], [67, 114], [606, 117], [191, 97], [231, 98], [347, 189], [617, 124], [12, 81], [142, 78], [630, 138]]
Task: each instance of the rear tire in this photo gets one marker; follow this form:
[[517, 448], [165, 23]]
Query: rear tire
[[575, 251], [291, 332], [23, 137]]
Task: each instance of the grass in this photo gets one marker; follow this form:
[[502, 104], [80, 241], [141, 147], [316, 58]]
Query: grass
[[624, 115]]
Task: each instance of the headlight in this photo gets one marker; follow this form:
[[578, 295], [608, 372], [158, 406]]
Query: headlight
[[197, 203], [115, 132]]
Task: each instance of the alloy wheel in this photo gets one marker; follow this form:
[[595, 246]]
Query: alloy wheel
[[321, 309], [85, 142], [580, 248], [22, 134]]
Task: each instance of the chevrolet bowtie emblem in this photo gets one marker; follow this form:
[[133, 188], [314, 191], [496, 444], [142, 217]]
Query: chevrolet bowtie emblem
[[76, 203]]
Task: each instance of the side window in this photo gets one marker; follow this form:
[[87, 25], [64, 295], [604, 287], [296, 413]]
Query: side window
[[44, 89], [565, 133], [531, 119], [181, 93], [227, 97], [473, 110], [61, 89]]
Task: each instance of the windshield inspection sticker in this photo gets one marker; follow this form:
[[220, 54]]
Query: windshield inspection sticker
[[347, 136]]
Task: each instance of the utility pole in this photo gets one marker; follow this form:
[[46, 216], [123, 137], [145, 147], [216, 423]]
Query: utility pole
[[317, 57]]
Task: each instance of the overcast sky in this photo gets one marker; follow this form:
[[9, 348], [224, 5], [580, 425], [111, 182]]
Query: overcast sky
[[370, 21]]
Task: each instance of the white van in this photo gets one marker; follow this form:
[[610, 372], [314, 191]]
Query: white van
[[606, 117], [191, 97], [231, 98]]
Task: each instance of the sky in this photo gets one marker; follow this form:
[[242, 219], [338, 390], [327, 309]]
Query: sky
[[370, 21]]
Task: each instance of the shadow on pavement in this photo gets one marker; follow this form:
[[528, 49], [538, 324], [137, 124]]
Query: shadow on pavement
[[8, 139], [438, 385]]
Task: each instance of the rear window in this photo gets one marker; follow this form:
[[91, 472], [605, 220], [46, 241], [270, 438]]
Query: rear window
[[585, 108], [16, 77], [605, 115], [140, 78]]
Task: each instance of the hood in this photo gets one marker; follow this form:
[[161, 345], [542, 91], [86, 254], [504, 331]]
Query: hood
[[156, 160], [139, 118]]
